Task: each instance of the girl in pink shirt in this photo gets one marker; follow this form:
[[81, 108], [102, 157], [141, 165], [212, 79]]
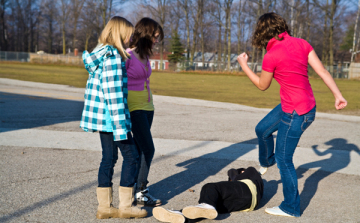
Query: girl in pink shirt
[[147, 33], [286, 61]]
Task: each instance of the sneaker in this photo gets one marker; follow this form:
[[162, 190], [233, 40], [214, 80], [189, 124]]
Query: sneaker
[[200, 211], [164, 215], [145, 198], [263, 170], [277, 211]]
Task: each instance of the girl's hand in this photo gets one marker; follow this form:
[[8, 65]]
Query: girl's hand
[[242, 59], [340, 103]]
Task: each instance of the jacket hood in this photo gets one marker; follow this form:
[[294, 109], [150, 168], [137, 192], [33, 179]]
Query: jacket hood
[[93, 59]]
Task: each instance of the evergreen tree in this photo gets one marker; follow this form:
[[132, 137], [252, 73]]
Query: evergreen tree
[[176, 48], [347, 42]]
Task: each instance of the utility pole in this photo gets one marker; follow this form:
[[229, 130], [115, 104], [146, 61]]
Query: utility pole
[[355, 29]]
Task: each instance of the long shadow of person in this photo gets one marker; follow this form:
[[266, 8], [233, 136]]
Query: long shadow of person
[[270, 189], [200, 168], [339, 159], [18, 111]]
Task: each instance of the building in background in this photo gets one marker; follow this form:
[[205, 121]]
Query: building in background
[[155, 61]]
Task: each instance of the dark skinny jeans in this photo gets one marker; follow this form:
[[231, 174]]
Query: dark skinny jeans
[[141, 124], [109, 157]]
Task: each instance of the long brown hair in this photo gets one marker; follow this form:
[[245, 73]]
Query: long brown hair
[[116, 32], [269, 25], [142, 39]]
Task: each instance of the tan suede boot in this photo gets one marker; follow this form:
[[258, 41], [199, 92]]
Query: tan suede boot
[[126, 210], [105, 208]]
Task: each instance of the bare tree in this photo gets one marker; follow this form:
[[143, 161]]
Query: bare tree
[[32, 17], [3, 37], [217, 14], [158, 9], [91, 24], [64, 17], [76, 8], [184, 4], [227, 9], [307, 20], [196, 14], [106, 8], [355, 30], [330, 11], [201, 21], [225, 5], [175, 17], [49, 13], [240, 23]]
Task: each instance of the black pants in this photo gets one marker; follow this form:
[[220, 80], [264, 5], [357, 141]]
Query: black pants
[[226, 196], [141, 124]]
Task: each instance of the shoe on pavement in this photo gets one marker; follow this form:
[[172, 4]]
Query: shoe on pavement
[[145, 198], [200, 211], [263, 170], [277, 211], [164, 215]]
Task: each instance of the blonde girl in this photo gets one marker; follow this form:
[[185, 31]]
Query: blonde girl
[[106, 111]]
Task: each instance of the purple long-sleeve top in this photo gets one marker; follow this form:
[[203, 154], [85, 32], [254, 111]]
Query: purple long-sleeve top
[[137, 74]]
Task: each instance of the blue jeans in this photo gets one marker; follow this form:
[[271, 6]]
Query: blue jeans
[[141, 124], [110, 156], [290, 127]]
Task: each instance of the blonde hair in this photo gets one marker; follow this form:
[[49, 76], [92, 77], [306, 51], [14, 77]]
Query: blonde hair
[[116, 31]]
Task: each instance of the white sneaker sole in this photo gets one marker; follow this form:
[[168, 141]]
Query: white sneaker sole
[[194, 212], [164, 215]]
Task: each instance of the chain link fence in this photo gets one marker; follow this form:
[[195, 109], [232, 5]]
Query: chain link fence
[[339, 70], [42, 58], [14, 56]]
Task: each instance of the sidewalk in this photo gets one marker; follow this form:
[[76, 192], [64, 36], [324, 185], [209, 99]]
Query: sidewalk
[[48, 165]]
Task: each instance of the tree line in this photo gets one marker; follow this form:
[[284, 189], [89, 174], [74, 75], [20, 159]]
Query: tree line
[[223, 27]]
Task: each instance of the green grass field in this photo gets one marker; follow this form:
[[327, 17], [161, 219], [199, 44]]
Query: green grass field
[[213, 87]]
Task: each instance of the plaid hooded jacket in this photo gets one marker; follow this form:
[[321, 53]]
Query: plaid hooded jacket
[[105, 106]]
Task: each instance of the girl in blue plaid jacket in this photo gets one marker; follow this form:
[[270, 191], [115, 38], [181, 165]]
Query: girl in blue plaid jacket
[[106, 111]]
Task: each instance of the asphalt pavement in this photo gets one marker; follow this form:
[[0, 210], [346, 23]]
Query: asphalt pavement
[[48, 165]]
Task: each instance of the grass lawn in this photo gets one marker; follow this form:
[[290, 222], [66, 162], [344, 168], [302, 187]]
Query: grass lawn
[[212, 87]]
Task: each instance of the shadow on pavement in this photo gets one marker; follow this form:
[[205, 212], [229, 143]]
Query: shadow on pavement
[[333, 164], [198, 169], [270, 189], [25, 111], [340, 158], [40, 204], [197, 166]]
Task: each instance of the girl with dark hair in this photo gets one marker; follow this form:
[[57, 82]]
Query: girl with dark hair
[[286, 61], [147, 33]]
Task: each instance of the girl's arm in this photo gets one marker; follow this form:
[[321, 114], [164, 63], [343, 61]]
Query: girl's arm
[[263, 82], [318, 67]]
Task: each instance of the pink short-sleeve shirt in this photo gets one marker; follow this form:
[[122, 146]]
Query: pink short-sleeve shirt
[[287, 59]]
